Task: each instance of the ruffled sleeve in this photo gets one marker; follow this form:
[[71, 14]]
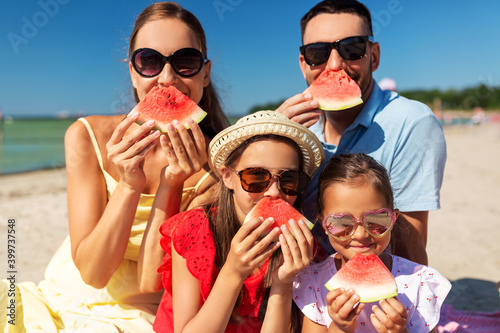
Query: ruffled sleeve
[[424, 291], [193, 240], [433, 290], [309, 291]]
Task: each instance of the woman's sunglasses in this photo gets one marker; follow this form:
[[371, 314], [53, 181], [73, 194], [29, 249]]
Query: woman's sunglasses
[[185, 62], [376, 222], [350, 48], [257, 180]]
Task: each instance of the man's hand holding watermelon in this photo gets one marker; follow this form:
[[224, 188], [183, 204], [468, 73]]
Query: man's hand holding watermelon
[[333, 90], [302, 109]]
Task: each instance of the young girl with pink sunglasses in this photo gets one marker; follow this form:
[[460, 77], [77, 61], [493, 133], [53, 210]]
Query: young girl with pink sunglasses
[[355, 204]]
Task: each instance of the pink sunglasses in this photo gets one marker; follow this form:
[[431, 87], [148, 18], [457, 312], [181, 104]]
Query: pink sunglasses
[[377, 223]]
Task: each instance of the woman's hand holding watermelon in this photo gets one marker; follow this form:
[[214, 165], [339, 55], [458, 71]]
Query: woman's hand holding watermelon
[[127, 153], [186, 155], [341, 309], [389, 316]]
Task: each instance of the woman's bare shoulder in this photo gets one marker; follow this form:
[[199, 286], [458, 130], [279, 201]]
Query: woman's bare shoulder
[[102, 127], [77, 139]]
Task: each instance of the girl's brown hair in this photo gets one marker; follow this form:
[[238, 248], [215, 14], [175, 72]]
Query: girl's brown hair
[[216, 119], [356, 169]]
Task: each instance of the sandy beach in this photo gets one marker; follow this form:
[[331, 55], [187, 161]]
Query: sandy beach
[[463, 241]]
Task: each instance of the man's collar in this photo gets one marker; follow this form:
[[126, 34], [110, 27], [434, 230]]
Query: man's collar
[[365, 117]]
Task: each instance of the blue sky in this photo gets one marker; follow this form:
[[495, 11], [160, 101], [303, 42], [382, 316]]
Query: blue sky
[[66, 55]]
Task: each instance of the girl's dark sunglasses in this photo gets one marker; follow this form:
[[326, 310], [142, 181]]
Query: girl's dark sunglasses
[[257, 180], [350, 48], [185, 62]]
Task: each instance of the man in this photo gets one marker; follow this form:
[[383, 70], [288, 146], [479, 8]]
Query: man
[[403, 135]]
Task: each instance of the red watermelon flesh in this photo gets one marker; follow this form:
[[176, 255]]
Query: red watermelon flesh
[[165, 104], [278, 209], [334, 90], [367, 276]]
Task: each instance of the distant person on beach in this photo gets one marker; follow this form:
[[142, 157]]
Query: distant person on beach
[[388, 84], [115, 168], [478, 116], [402, 134], [222, 274], [356, 209]]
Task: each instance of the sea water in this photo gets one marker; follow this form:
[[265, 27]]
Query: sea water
[[32, 144]]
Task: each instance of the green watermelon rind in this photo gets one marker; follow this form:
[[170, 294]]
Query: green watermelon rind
[[335, 106], [367, 294], [368, 291], [197, 114], [280, 204]]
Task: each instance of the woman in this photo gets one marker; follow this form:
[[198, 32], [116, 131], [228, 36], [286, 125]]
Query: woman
[[114, 168]]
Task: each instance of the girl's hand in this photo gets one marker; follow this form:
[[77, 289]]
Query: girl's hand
[[127, 153], [297, 251], [185, 155], [341, 308], [249, 251], [391, 316]]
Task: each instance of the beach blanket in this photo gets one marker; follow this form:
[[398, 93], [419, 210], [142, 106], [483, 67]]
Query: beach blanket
[[455, 321]]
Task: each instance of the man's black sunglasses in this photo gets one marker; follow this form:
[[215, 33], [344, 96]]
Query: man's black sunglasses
[[350, 48]]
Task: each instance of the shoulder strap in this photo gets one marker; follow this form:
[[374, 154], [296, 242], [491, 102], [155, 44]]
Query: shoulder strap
[[94, 141], [202, 179]]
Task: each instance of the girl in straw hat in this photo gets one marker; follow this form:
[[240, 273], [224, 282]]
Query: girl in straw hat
[[220, 274]]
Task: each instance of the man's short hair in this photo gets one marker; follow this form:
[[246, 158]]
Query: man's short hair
[[338, 7]]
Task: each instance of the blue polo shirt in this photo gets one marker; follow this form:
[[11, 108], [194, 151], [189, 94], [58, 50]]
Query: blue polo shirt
[[404, 136]]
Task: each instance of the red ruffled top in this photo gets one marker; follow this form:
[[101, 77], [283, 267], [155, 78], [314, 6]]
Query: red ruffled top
[[193, 240]]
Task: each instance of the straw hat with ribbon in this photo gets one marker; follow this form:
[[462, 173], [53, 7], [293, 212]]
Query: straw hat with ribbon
[[262, 123]]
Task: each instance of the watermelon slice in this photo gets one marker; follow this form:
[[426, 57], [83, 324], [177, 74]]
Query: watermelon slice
[[279, 209], [368, 276], [165, 104], [335, 91]]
